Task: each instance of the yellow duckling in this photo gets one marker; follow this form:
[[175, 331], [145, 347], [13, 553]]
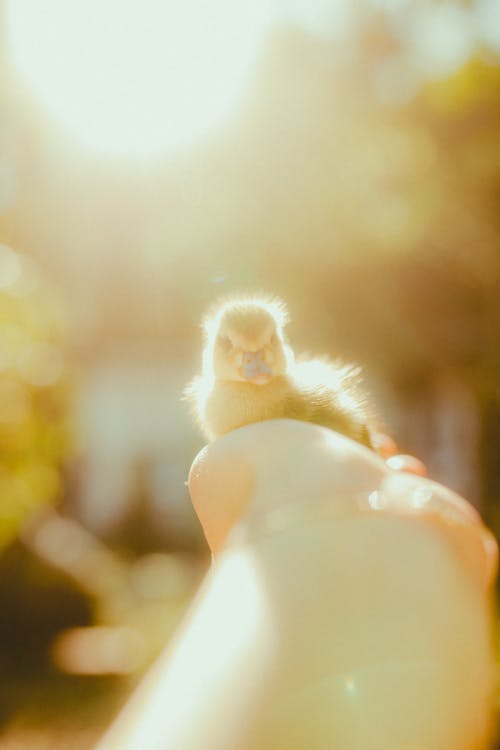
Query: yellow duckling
[[250, 374]]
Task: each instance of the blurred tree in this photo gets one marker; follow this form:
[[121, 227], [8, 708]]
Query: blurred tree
[[33, 393]]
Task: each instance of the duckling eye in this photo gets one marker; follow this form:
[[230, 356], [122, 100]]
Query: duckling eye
[[225, 343]]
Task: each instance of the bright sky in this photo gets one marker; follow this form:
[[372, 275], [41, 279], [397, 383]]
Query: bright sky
[[135, 78]]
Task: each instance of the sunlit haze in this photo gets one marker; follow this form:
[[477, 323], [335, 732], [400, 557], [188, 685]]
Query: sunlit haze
[[137, 79], [162, 162]]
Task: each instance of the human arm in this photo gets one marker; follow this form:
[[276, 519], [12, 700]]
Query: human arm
[[386, 581]]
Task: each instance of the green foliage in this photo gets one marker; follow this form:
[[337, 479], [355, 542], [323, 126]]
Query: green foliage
[[33, 394]]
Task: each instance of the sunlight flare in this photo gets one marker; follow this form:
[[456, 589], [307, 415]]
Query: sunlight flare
[[137, 79]]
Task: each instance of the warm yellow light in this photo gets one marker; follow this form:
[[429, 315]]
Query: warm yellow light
[[98, 650], [137, 78], [203, 688]]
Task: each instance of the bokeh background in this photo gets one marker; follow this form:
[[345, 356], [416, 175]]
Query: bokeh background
[[343, 154]]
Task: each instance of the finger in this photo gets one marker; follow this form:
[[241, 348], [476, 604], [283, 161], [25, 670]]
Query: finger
[[407, 464], [384, 445]]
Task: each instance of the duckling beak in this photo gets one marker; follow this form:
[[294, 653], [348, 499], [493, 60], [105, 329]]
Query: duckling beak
[[254, 368]]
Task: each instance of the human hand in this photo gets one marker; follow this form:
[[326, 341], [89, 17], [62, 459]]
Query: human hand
[[270, 464], [361, 619]]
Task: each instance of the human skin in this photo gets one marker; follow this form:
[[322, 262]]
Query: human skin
[[348, 606], [265, 466]]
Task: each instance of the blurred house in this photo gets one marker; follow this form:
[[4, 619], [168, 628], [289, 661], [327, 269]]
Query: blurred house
[[135, 443]]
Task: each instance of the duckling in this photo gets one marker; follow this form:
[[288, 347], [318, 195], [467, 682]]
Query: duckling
[[250, 374]]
